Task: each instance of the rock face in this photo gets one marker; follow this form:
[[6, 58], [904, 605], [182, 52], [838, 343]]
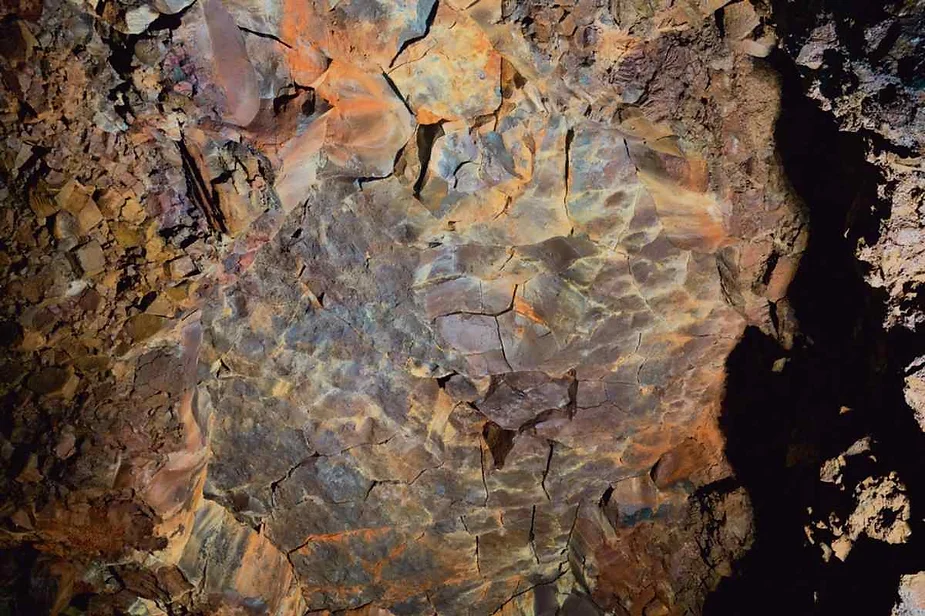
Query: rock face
[[841, 457], [911, 596], [403, 307]]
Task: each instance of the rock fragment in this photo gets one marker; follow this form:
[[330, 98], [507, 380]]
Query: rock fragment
[[91, 258], [55, 382]]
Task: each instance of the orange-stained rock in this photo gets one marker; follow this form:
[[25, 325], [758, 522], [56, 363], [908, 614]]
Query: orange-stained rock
[[453, 73], [369, 34], [367, 124], [234, 567]]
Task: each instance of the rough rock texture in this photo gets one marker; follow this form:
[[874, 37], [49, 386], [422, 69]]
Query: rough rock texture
[[865, 66], [841, 458], [880, 509], [911, 596], [407, 307]]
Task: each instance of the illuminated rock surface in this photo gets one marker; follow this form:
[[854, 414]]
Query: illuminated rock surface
[[403, 307]]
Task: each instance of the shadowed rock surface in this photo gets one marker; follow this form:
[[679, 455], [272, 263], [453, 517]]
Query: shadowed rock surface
[[451, 307]]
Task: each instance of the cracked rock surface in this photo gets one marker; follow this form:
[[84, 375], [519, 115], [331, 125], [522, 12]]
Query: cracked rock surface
[[408, 307]]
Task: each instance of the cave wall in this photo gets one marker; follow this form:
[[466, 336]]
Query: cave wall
[[839, 423], [427, 306]]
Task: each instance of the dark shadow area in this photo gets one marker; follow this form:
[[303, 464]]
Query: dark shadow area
[[841, 381], [20, 591]]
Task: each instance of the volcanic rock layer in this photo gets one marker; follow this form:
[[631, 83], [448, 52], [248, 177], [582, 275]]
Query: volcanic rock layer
[[460, 307]]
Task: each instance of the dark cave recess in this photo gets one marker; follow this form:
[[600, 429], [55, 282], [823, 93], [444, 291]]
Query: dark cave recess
[[841, 381]]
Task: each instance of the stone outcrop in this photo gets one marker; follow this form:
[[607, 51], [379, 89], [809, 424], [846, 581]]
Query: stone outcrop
[[402, 307], [863, 66], [911, 598]]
